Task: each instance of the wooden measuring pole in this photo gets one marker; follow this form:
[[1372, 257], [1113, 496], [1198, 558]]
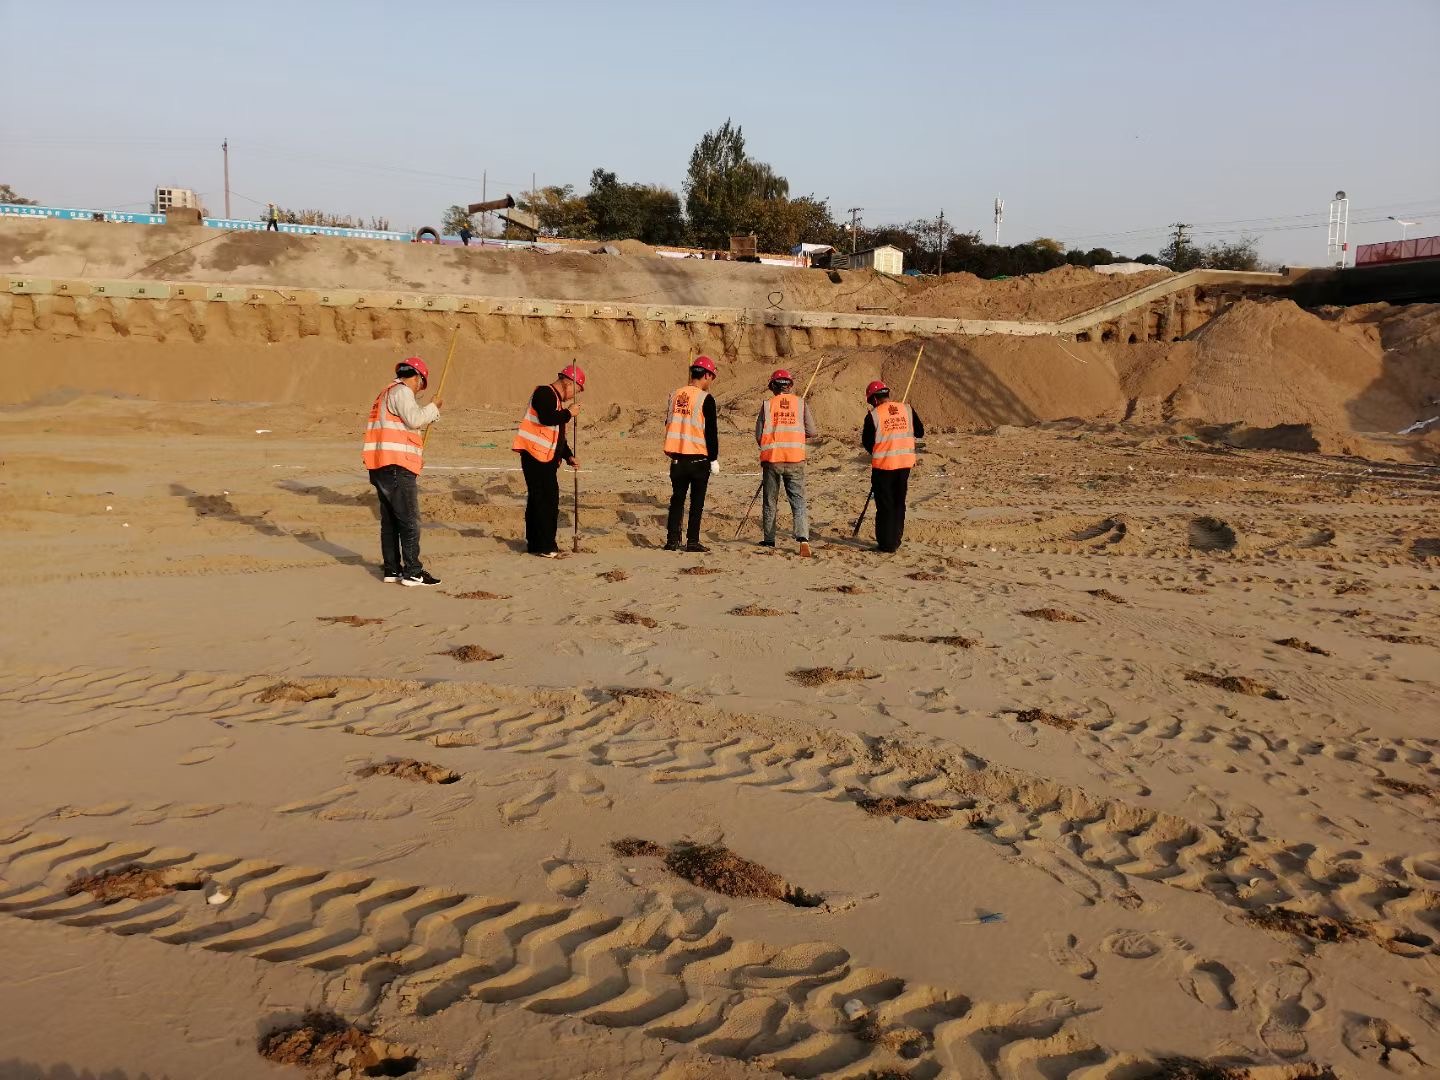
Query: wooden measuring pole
[[444, 374]]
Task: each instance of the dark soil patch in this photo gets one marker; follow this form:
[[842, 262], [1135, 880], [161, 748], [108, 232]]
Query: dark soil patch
[[480, 594], [1050, 614], [1302, 924], [819, 676], [130, 883], [1356, 613], [1232, 847], [900, 1039], [1359, 588], [644, 693], [1404, 787], [629, 618], [1303, 646], [1211, 534], [756, 609], [1040, 716], [1401, 639], [1190, 590], [632, 847], [471, 654], [894, 806], [288, 691], [348, 620], [1425, 547], [926, 575], [700, 571], [326, 1046], [1106, 594], [717, 868], [410, 769], [1191, 1069], [1235, 684], [843, 590], [614, 575], [955, 641]]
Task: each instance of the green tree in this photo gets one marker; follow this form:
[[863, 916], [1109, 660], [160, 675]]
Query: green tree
[[560, 211], [455, 219], [9, 195], [726, 191], [645, 212]]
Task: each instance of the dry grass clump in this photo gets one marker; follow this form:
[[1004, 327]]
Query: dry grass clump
[[895, 806], [1040, 716], [757, 610], [1106, 594], [630, 618], [471, 654], [288, 691], [613, 575], [1050, 614], [644, 693], [411, 769], [130, 883], [1303, 924], [480, 594], [700, 571], [1235, 684], [955, 641], [1303, 646], [348, 620], [326, 1046], [819, 676]]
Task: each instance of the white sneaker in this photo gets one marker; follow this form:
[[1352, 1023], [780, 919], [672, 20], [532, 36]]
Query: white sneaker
[[390, 578]]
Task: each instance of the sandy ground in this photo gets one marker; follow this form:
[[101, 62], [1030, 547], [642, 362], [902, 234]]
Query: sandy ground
[[1112, 883]]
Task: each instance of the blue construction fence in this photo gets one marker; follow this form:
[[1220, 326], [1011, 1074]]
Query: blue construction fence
[[73, 214]]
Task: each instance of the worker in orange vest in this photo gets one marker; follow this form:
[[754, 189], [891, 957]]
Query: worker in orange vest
[[394, 453], [540, 442], [692, 443], [890, 431], [781, 429]]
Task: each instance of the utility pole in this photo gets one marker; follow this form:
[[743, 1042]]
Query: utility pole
[[1179, 241], [225, 148], [940, 244], [854, 213]]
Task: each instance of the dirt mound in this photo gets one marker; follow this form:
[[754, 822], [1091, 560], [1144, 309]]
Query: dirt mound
[[1053, 295], [1294, 379]]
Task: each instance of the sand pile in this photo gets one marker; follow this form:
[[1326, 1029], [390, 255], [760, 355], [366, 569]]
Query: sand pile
[[1268, 364], [1056, 294]]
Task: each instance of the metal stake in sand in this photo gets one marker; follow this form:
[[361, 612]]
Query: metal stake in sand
[[575, 474], [444, 374], [866, 508], [750, 509]]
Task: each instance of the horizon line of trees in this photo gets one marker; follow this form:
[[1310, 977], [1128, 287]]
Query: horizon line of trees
[[729, 193]]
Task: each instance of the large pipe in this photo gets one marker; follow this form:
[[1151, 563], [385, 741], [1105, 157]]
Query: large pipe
[[494, 204]]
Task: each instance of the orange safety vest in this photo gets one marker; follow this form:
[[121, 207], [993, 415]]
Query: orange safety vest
[[685, 428], [388, 440], [537, 439], [894, 436], [782, 431]]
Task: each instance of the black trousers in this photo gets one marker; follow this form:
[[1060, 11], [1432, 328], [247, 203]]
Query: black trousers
[[890, 487], [690, 476], [272, 225], [542, 503], [399, 519]]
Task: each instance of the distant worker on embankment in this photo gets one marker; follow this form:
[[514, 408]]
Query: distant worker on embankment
[[272, 218], [781, 429], [692, 443], [889, 434], [394, 453], [540, 442]]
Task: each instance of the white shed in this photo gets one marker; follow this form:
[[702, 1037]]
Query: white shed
[[886, 258]]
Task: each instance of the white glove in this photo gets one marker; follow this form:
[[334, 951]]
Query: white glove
[[715, 467]]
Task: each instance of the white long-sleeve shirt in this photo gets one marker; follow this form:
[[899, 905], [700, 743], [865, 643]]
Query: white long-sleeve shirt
[[402, 403]]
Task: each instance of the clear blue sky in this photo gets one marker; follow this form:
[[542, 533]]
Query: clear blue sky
[[1091, 118]]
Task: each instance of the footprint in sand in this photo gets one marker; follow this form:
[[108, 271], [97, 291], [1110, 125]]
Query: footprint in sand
[[1282, 1030], [528, 803], [1064, 950], [590, 790], [1375, 1040], [566, 878], [201, 754], [1210, 983], [1133, 944]]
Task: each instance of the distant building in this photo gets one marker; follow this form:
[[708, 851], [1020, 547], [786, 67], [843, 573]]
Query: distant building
[[886, 258], [167, 198]]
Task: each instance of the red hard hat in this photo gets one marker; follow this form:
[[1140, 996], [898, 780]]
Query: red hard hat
[[575, 375], [782, 376], [419, 365], [876, 387], [704, 363]]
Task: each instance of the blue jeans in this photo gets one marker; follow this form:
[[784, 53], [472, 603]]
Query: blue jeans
[[792, 476]]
